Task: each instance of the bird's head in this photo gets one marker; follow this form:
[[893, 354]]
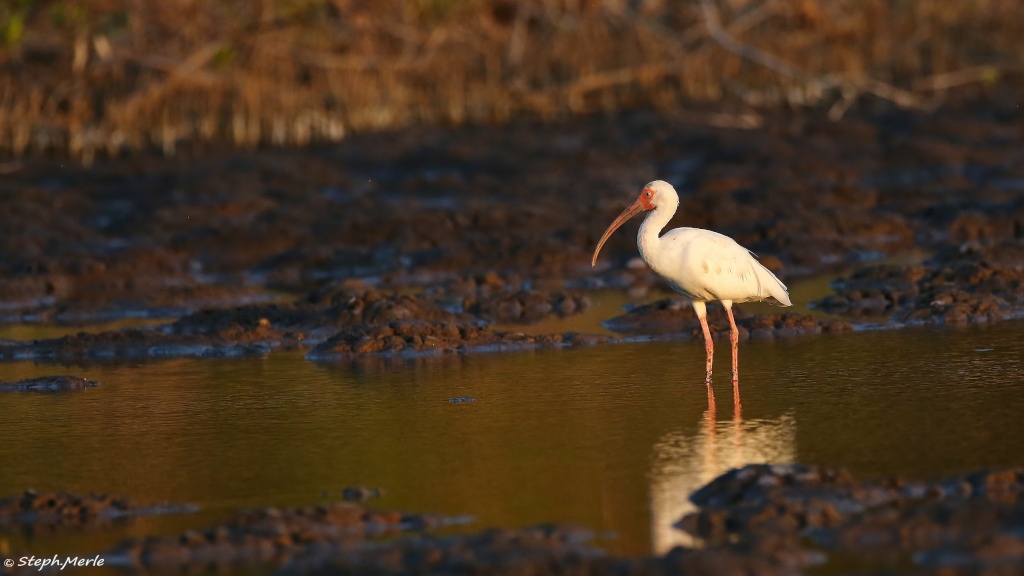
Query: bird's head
[[654, 194]]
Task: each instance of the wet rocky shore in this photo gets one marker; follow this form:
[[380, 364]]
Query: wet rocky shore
[[760, 519], [974, 282], [451, 230], [351, 319]]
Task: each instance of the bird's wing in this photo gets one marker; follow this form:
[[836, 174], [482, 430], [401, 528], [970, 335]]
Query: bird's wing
[[729, 271]]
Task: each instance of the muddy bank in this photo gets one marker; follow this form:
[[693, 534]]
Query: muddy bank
[[132, 344], [346, 539], [425, 207], [416, 338], [350, 319], [270, 536], [342, 319], [970, 283], [404, 338], [967, 524], [760, 519], [545, 550], [48, 384], [241, 331], [100, 298], [663, 320], [675, 318], [38, 513], [509, 299]]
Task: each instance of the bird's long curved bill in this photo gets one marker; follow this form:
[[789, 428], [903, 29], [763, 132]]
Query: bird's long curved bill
[[628, 213]]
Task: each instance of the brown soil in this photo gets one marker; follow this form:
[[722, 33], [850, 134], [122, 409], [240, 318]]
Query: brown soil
[[269, 536], [134, 344], [349, 319], [760, 519], [529, 306], [332, 539], [418, 337], [972, 283], [249, 330], [674, 317], [962, 525], [113, 298], [341, 320], [451, 214], [507, 300], [547, 550], [427, 207], [357, 321]]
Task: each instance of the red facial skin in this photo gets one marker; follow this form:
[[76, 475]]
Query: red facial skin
[[644, 202], [646, 199]]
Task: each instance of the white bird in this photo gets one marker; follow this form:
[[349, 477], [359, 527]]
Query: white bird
[[701, 265]]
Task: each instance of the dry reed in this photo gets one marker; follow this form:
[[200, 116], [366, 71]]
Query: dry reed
[[99, 77]]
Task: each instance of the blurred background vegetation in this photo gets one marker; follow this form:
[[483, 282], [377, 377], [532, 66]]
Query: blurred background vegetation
[[88, 78]]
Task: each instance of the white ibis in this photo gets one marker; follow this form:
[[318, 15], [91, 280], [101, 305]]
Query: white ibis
[[701, 265]]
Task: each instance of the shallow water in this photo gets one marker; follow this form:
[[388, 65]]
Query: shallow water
[[610, 437]]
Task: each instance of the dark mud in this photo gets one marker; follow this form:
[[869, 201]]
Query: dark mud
[[40, 513], [761, 519], [59, 301], [507, 300], [350, 319], [135, 344], [346, 539], [47, 384], [543, 550], [424, 207], [675, 318], [270, 536], [970, 283], [340, 320], [527, 306], [416, 337], [968, 524], [248, 330]]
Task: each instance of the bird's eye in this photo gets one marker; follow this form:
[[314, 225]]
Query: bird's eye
[[648, 194]]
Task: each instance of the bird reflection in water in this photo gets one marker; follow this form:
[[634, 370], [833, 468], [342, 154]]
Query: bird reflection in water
[[684, 462]]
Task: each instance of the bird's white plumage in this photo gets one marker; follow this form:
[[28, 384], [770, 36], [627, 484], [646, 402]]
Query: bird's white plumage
[[700, 264]]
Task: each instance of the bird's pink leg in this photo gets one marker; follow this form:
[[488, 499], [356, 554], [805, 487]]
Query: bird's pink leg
[[709, 348], [734, 337]]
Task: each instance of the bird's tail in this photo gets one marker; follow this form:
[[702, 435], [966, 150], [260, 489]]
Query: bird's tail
[[771, 285]]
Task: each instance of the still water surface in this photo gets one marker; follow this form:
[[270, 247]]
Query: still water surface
[[613, 437]]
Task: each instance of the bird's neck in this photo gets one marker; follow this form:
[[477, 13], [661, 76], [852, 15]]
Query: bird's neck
[[648, 239]]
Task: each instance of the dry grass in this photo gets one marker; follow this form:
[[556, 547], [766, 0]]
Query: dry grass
[[92, 77]]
